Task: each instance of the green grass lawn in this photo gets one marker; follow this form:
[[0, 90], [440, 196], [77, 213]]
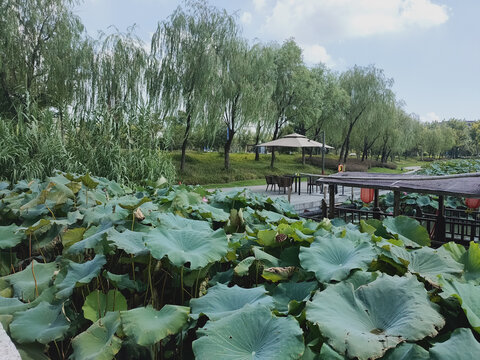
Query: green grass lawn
[[207, 168]]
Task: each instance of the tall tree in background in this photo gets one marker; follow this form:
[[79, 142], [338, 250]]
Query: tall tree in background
[[288, 62], [40, 40], [243, 90], [366, 86], [187, 47]]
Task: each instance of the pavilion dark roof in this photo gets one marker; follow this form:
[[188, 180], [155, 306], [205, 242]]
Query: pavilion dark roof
[[461, 185]]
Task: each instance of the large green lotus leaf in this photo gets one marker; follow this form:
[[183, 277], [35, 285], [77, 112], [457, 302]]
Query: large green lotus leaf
[[32, 351], [129, 241], [93, 239], [430, 263], [148, 326], [12, 305], [131, 203], [98, 342], [243, 266], [286, 292], [208, 211], [332, 258], [105, 213], [10, 236], [470, 259], [97, 304], [359, 278], [408, 230], [368, 321], [468, 295], [252, 333], [222, 300], [43, 323], [197, 247], [23, 281], [79, 274], [407, 351], [169, 220], [72, 236], [462, 345]]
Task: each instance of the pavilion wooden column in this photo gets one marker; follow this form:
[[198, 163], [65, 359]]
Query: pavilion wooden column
[[376, 206], [331, 192], [396, 203], [440, 223]]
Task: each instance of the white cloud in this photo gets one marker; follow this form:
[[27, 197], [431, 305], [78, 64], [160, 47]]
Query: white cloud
[[259, 4], [314, 21], [429, 117], [246, 18], [314, 54]]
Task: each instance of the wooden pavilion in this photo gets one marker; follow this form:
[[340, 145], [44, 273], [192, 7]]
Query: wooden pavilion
[[446, 225]]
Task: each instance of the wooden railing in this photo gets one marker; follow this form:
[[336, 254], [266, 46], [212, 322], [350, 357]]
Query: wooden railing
[[460, 226]]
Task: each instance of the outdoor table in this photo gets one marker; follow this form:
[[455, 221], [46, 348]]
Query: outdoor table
[[296, 178]]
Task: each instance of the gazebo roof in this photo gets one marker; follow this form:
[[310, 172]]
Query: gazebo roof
[[461, 185], [295, 140]]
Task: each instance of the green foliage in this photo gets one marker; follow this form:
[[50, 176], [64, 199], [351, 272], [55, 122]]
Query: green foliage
[[173, 271]]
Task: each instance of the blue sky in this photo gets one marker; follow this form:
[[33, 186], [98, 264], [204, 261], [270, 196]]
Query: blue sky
[[431, 48]]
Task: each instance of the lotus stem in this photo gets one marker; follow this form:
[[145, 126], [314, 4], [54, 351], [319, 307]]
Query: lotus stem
[[181, 283], [33, 271]]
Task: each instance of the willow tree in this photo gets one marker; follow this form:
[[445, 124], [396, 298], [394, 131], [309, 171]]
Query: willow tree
[[186, 50], [40, 41], [288, 65], [366, 87], [245, 87]]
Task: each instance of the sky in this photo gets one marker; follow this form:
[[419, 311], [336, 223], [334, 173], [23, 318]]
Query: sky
[[431, 48]]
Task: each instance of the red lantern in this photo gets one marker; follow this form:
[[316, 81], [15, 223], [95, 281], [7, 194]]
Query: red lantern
[[472, 203], [367, 195]]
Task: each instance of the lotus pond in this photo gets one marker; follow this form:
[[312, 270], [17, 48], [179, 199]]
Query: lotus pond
[[91, 269]]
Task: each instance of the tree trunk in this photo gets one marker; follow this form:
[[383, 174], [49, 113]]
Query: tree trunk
[[273, 157], [185, 141], [227, 147], [257, 140]]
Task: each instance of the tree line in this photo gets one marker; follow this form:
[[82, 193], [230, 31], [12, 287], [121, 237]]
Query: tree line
[[113, 104]]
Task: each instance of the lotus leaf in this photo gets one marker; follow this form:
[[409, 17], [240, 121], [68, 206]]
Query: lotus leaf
[[123, 282], [327, 353], [148, 326], [286, 292], [109, 212], [366, 322], [408, 230], [43, 323], [429, 263], [79, 273], [131, 203], [222, 300], [470, 259], [32, 351], [407, 351], [97, 304], [243, 266], [252, 333], [462, 345], [10, 236], [98, 342], [93, 240], [208, 211], [197, 247], [72, 236], [171, 221], [23, 281], [129, 241], [332, 258], [468, 296]]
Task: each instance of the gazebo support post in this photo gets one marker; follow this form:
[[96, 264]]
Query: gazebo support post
[[324, 208], [376, 206], [303, 156], [396, 203], [331, 192], [440, 223]]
